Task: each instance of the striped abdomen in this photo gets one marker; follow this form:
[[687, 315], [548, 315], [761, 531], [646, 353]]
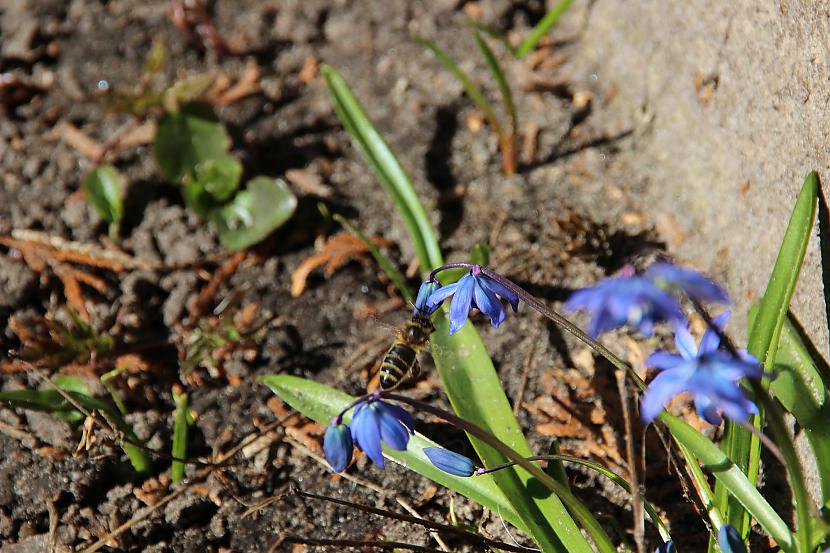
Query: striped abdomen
[[399, 362]]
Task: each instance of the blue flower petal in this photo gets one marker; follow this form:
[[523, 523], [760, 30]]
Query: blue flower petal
[[695, 285], [399, 413], [730, 540], [439, 295], [664, 360], [449, 461], [393, 432], [461, 302], [711, 341], [487, 302], [685, 342], [706, 410], [426, 290], [500, 290], [366, 432], [337, 447], [665, 386]]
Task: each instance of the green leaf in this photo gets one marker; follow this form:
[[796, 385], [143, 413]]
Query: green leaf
[[321, 403], [156, 58], [52, 401], [104, 188], [731, 478], [386, 166], [188, 137], [254, 213], [475, 392], [542, 28], [504, 87], [219, 176], [470, 87], [179, 436], [741, 446], [801, 389]]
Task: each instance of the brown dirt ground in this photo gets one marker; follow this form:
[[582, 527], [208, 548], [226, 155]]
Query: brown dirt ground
[[563, 221]]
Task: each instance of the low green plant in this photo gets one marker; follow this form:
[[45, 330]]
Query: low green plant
[[192, 148], [508, 480]]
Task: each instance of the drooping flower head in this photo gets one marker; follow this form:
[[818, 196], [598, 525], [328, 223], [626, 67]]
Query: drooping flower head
[[450, 461], [644, 300], [711, 375], [374, 422], [475, 289]]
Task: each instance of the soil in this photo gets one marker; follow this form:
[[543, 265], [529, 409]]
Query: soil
[[574, 213]]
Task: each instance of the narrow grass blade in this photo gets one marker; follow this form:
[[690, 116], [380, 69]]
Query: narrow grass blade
[[542, 28], [384, 263], [180, 427], [618, 480], [386, 166], [507, 139], [52, 401], [470, 87], [320, 403], [555, 468], [498, 74], [741, 446], [732, 479], [545, 517]]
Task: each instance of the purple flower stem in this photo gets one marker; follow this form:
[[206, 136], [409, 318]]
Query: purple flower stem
[[576, 508], [339, 418], [433, 275]]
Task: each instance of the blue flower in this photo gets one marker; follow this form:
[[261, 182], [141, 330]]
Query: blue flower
[[692, 283], [666, 547], [711, 375], [337, 446], [618, 301], [424, 292], [475, 289], [374, 421], [449, 461], [730, 540]]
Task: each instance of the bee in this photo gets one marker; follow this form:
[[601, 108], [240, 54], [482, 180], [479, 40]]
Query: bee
[[401, 361]]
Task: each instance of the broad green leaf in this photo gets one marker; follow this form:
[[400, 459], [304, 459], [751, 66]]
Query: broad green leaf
[[188, 137], [180, 427], [542, 28], [104, 188], [731, 478], [52, 401], [219, 176], [387, 168], [800, 388], [321, 403], [254, 213], [741, 446]]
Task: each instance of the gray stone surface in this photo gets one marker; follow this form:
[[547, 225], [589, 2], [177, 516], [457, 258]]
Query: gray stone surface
[[727, 170]]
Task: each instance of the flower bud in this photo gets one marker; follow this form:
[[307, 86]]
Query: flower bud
[[449, 461], [337, 446]]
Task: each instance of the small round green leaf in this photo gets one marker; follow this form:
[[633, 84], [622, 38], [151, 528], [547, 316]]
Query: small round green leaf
[[104, 187], [264, 206], [188, 137], [219, 177]]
